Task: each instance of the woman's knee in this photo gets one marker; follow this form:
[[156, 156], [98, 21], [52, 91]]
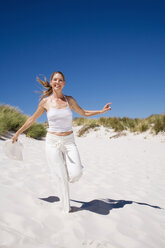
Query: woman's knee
[[74, 175]]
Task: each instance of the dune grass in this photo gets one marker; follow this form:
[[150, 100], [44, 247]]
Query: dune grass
[[86, 128], [11, 119], [156, 123]]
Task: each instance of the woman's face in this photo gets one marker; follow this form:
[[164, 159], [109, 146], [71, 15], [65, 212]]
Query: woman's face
[[57, 82]]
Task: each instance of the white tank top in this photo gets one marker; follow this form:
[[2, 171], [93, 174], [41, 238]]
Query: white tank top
[[60, 120]]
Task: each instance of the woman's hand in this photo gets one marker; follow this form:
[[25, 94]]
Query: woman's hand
[[15, 138], [106, 108]]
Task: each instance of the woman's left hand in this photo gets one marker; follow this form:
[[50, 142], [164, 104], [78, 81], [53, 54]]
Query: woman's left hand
[[106, 108]]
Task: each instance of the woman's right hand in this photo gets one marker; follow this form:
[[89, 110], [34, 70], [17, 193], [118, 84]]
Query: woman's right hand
[[15, 138]]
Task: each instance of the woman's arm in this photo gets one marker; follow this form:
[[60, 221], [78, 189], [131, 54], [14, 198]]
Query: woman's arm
[[74, 105], [40, 110]]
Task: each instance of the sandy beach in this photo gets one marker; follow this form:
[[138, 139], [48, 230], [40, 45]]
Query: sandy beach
[[118, 202]]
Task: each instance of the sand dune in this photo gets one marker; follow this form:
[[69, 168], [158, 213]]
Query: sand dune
[[118, 202]]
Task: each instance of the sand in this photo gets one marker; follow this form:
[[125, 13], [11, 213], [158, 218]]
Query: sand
[[118, 202]]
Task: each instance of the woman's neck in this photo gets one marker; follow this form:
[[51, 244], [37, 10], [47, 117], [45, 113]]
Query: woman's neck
[[57, 95]]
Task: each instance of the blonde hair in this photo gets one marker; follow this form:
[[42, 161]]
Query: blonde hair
[[47, 85]]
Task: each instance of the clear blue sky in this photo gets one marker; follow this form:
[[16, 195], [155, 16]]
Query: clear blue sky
[[109, 51]]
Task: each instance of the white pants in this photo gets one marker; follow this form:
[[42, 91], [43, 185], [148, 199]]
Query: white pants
[[64, 162]]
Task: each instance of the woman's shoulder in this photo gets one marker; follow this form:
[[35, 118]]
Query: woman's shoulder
[[69, 97], [44, 102], [45, 99], [71, 100]]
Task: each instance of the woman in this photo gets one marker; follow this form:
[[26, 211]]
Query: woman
[[61, 151]]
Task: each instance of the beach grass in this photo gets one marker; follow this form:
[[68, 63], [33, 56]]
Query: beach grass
[[156, 123], [86, 128], [11, 119]]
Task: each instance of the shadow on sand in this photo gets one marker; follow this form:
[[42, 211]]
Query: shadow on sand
[[51, 199], [102, 206]]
